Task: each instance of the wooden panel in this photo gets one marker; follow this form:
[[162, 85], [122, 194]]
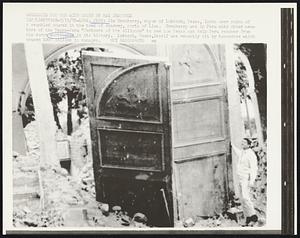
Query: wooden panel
[[196, 91], [101, 72], [111, 123], [192, 64], [202, 186], [134, 94], [129, 108], [131, 149], [199, 129], [199, 149], [204, 117], [138, 196]]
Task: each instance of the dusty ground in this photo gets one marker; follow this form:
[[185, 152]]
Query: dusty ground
[[66, 200]]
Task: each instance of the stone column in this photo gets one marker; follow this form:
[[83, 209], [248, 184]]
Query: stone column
[[19, 81], [235, 115], [42, 103]]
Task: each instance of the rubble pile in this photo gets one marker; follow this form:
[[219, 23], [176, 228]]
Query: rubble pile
[[82, 162], [61, 190], [104, 216], [69, 200], [28, 209], [45, 218], [217, 221], [87, 182], [214, 221], [67, 204], [32, 140], [259, 192], [24, 165], [61, 193], [26, 192]]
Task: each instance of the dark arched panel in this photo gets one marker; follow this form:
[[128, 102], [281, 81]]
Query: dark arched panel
[[134, 94]]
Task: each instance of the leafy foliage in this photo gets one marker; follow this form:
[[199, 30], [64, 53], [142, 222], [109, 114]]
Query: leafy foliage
[[28, 113], [257, 56], [66, 74], [66, 81], [243, 82]]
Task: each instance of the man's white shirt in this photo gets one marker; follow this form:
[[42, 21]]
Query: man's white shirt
[[247, 164]]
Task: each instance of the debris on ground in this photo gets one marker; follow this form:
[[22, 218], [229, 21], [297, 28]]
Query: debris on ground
[[70, 200], [259, 192], [189, 222], [44, 218], [140, 218]]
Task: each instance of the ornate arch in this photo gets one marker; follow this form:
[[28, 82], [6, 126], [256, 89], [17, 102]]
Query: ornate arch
[[251, 92], [56, 52]]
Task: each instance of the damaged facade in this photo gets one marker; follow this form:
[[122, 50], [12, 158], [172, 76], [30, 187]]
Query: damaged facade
[[161, 121]]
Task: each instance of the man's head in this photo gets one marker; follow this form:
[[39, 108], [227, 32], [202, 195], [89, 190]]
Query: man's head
[[246, 143]]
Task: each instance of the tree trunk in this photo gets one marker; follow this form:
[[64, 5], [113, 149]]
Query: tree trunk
[[69, 116], [56, 118]]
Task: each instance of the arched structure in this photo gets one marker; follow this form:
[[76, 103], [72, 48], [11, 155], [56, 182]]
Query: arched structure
[[52, 52], [21, 86], [200, 128], [200, 121], [251, 104]]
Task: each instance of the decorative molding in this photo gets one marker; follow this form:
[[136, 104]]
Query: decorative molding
[[199, 142], [197, 99], [216, 83], [200, 157], [162, 160], [112, 78]]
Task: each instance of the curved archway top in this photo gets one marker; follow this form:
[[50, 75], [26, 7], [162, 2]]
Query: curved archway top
[[251, 90], [116, 77], [52, 51], [196, 64], [214, 59], [58, 50]]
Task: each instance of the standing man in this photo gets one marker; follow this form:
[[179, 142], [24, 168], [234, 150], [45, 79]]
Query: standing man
[[246, 174]]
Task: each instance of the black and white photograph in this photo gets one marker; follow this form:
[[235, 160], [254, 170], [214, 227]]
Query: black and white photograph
[[137, 136], [139, 118]]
